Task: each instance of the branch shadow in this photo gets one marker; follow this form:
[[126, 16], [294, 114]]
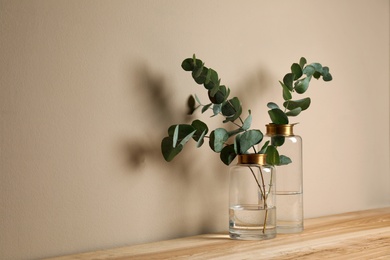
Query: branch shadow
[[160, 110]]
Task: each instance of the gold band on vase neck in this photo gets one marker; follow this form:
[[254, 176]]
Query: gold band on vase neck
[[274, 129], [253, 158]]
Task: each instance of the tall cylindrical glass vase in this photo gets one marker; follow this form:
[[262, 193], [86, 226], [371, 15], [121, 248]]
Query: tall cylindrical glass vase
[[289, 181]]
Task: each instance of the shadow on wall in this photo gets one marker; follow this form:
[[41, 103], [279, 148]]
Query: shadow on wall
[[152, 87]]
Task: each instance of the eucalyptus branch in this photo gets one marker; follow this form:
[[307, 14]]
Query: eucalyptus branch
[[297, 81]]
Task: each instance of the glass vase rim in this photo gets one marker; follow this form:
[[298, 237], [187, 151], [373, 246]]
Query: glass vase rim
[[252, 158], [280, 129]]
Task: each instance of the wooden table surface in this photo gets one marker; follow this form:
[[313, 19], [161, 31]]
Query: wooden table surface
[[355, 235]]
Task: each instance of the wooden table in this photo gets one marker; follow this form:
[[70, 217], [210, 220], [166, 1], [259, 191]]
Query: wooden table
[[355, 235]]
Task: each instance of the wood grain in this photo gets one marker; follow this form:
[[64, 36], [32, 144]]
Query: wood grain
[[355, 235]]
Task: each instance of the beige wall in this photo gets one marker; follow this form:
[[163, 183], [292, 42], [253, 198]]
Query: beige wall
[[88, 89]]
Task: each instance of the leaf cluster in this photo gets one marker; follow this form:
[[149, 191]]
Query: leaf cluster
[[297, 81], [228, 143]]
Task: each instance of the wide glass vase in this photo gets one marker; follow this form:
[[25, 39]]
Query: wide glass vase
[[289, 181], [252, 199]]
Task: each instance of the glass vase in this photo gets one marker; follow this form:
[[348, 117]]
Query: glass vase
[[289, 181], [252, 214]]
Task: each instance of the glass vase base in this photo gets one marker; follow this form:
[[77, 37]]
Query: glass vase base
[[252, 222], [245, 235]]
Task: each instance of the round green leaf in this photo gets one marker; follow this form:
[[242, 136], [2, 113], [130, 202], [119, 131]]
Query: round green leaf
[[228, 154], [169, 152], [302, 62], [217, 140], [199, 75], [231, 109], [303, 103], [278, 116], [221, 95], [286, 93], [309, 70], [294, 112], [183, 131], [188, 64], [296, 70], [277, 140], [264, 147], [199, 127], [273, 105], [272, 155], [247, 122], [206, 107], [248, 139], [302, 85], [284, 160], [288, 80], [211, 79]]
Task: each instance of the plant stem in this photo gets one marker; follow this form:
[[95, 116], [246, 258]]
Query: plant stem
[[258, 184], [263, 194]]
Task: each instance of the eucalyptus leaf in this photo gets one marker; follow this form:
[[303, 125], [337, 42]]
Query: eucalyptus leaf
[[247, 122], [199, 75], [231, 109], [187, 138], [288, 80], [197, 71], [184, 130], [284, 160], [272, 155], [201, 139], [228, 154], [296, 70], [221, 95], [317, 75], [249, 139], [198, 100], [228, 108], [302, 85], [277, 140], [286, 92], [215, 88], [273, 105], [211, 79], [317, 66], [278, 116], [309, 70], [264, 148], [302, 62], [206, 107], [168, 151], [208, 75], [303, 103], [188, 64], [294, 112], [327, 77], [217, 140], [217, 109], [199, 127], [236, 131], [175, 136]]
